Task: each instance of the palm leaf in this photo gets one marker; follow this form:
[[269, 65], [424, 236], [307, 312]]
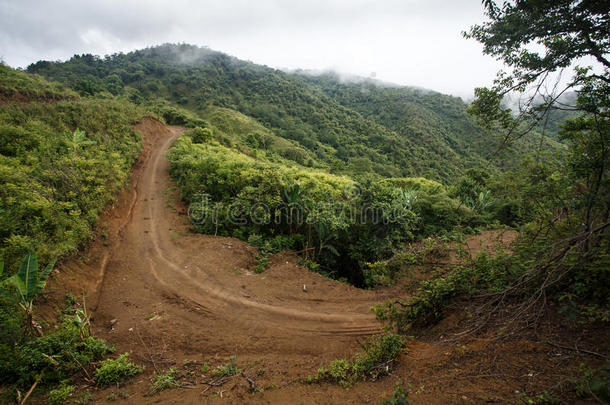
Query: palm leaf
[[332, 250], [79, 135], [42, 278], [28, 275]]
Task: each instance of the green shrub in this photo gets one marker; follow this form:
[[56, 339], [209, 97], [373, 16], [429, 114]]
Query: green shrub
[[57, 355], [174, 115], [115, 370], [399, 397], [378, 352], [226, 370], [483, 274], [60, 395], [165, 381], [377, 273], [199, 135]]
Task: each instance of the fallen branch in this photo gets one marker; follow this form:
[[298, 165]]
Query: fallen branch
[[216, 383], [576, 349], [27, 395], [253, 387]]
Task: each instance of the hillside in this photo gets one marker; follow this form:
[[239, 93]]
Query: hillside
[[387, 132], [53, 183]]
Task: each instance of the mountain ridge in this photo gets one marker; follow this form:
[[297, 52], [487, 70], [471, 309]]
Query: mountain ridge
[[400, 132]]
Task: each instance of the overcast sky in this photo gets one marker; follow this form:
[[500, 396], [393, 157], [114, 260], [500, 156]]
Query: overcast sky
[[410, 42]]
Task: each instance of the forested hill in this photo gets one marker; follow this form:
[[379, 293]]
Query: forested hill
[[357, 128]]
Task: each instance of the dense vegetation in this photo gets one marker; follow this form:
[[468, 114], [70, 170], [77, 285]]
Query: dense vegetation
[[561, 202], [250, 192], [381, 132], [63, 157], [55, 178]]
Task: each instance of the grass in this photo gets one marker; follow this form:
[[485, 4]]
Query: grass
[[60, 395]]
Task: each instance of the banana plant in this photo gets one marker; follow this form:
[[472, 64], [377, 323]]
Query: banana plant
[[77, 139], [24, 286], [325, 236], [82, 320], [291, 196]]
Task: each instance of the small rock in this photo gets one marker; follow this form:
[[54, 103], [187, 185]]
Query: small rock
[[113, 321], [304, 288]]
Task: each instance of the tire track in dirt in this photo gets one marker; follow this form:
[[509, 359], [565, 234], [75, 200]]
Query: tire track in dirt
[[200, 281]]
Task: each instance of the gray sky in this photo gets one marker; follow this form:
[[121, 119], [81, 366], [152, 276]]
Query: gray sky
[[410, 42]]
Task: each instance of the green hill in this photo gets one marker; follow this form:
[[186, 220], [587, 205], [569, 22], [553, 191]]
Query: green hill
[[53, 185], [362, 129]]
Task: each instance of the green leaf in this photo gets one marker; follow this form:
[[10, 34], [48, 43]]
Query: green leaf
[[332, 250], [28, 275], [79, 135], [42, 278]]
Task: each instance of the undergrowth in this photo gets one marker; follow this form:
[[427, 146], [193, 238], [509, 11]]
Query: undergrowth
[[164, 381], [399, 397], [378, 353], [116, 370], [56, 356], [227, 370]]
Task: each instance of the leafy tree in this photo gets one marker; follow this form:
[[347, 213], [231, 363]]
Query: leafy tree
[[565, 245], [535, 39]]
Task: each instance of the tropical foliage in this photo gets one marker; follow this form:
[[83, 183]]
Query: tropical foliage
[[61, 162]]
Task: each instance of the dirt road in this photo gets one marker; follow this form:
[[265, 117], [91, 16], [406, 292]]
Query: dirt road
[[173, 298], [170, 296]]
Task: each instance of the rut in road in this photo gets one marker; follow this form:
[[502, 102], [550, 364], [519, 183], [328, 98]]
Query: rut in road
[[199, 292]]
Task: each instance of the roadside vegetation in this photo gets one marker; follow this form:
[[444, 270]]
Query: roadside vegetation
[[61, 162], [375, 360], [63, 158]]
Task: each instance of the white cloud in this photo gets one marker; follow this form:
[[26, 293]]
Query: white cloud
[[411, 42]]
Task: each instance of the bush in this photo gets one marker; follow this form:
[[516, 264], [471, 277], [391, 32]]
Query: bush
[[399, 397], [378, 352], [165, 381], [60, 395], [57, 355], [483, 274], [199, 135], [227, 370], [377, 273], [115, 370]]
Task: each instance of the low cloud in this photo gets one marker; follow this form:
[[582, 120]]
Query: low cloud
[[406, 42]]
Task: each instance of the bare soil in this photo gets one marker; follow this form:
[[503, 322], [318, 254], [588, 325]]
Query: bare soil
[[173, 298]]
